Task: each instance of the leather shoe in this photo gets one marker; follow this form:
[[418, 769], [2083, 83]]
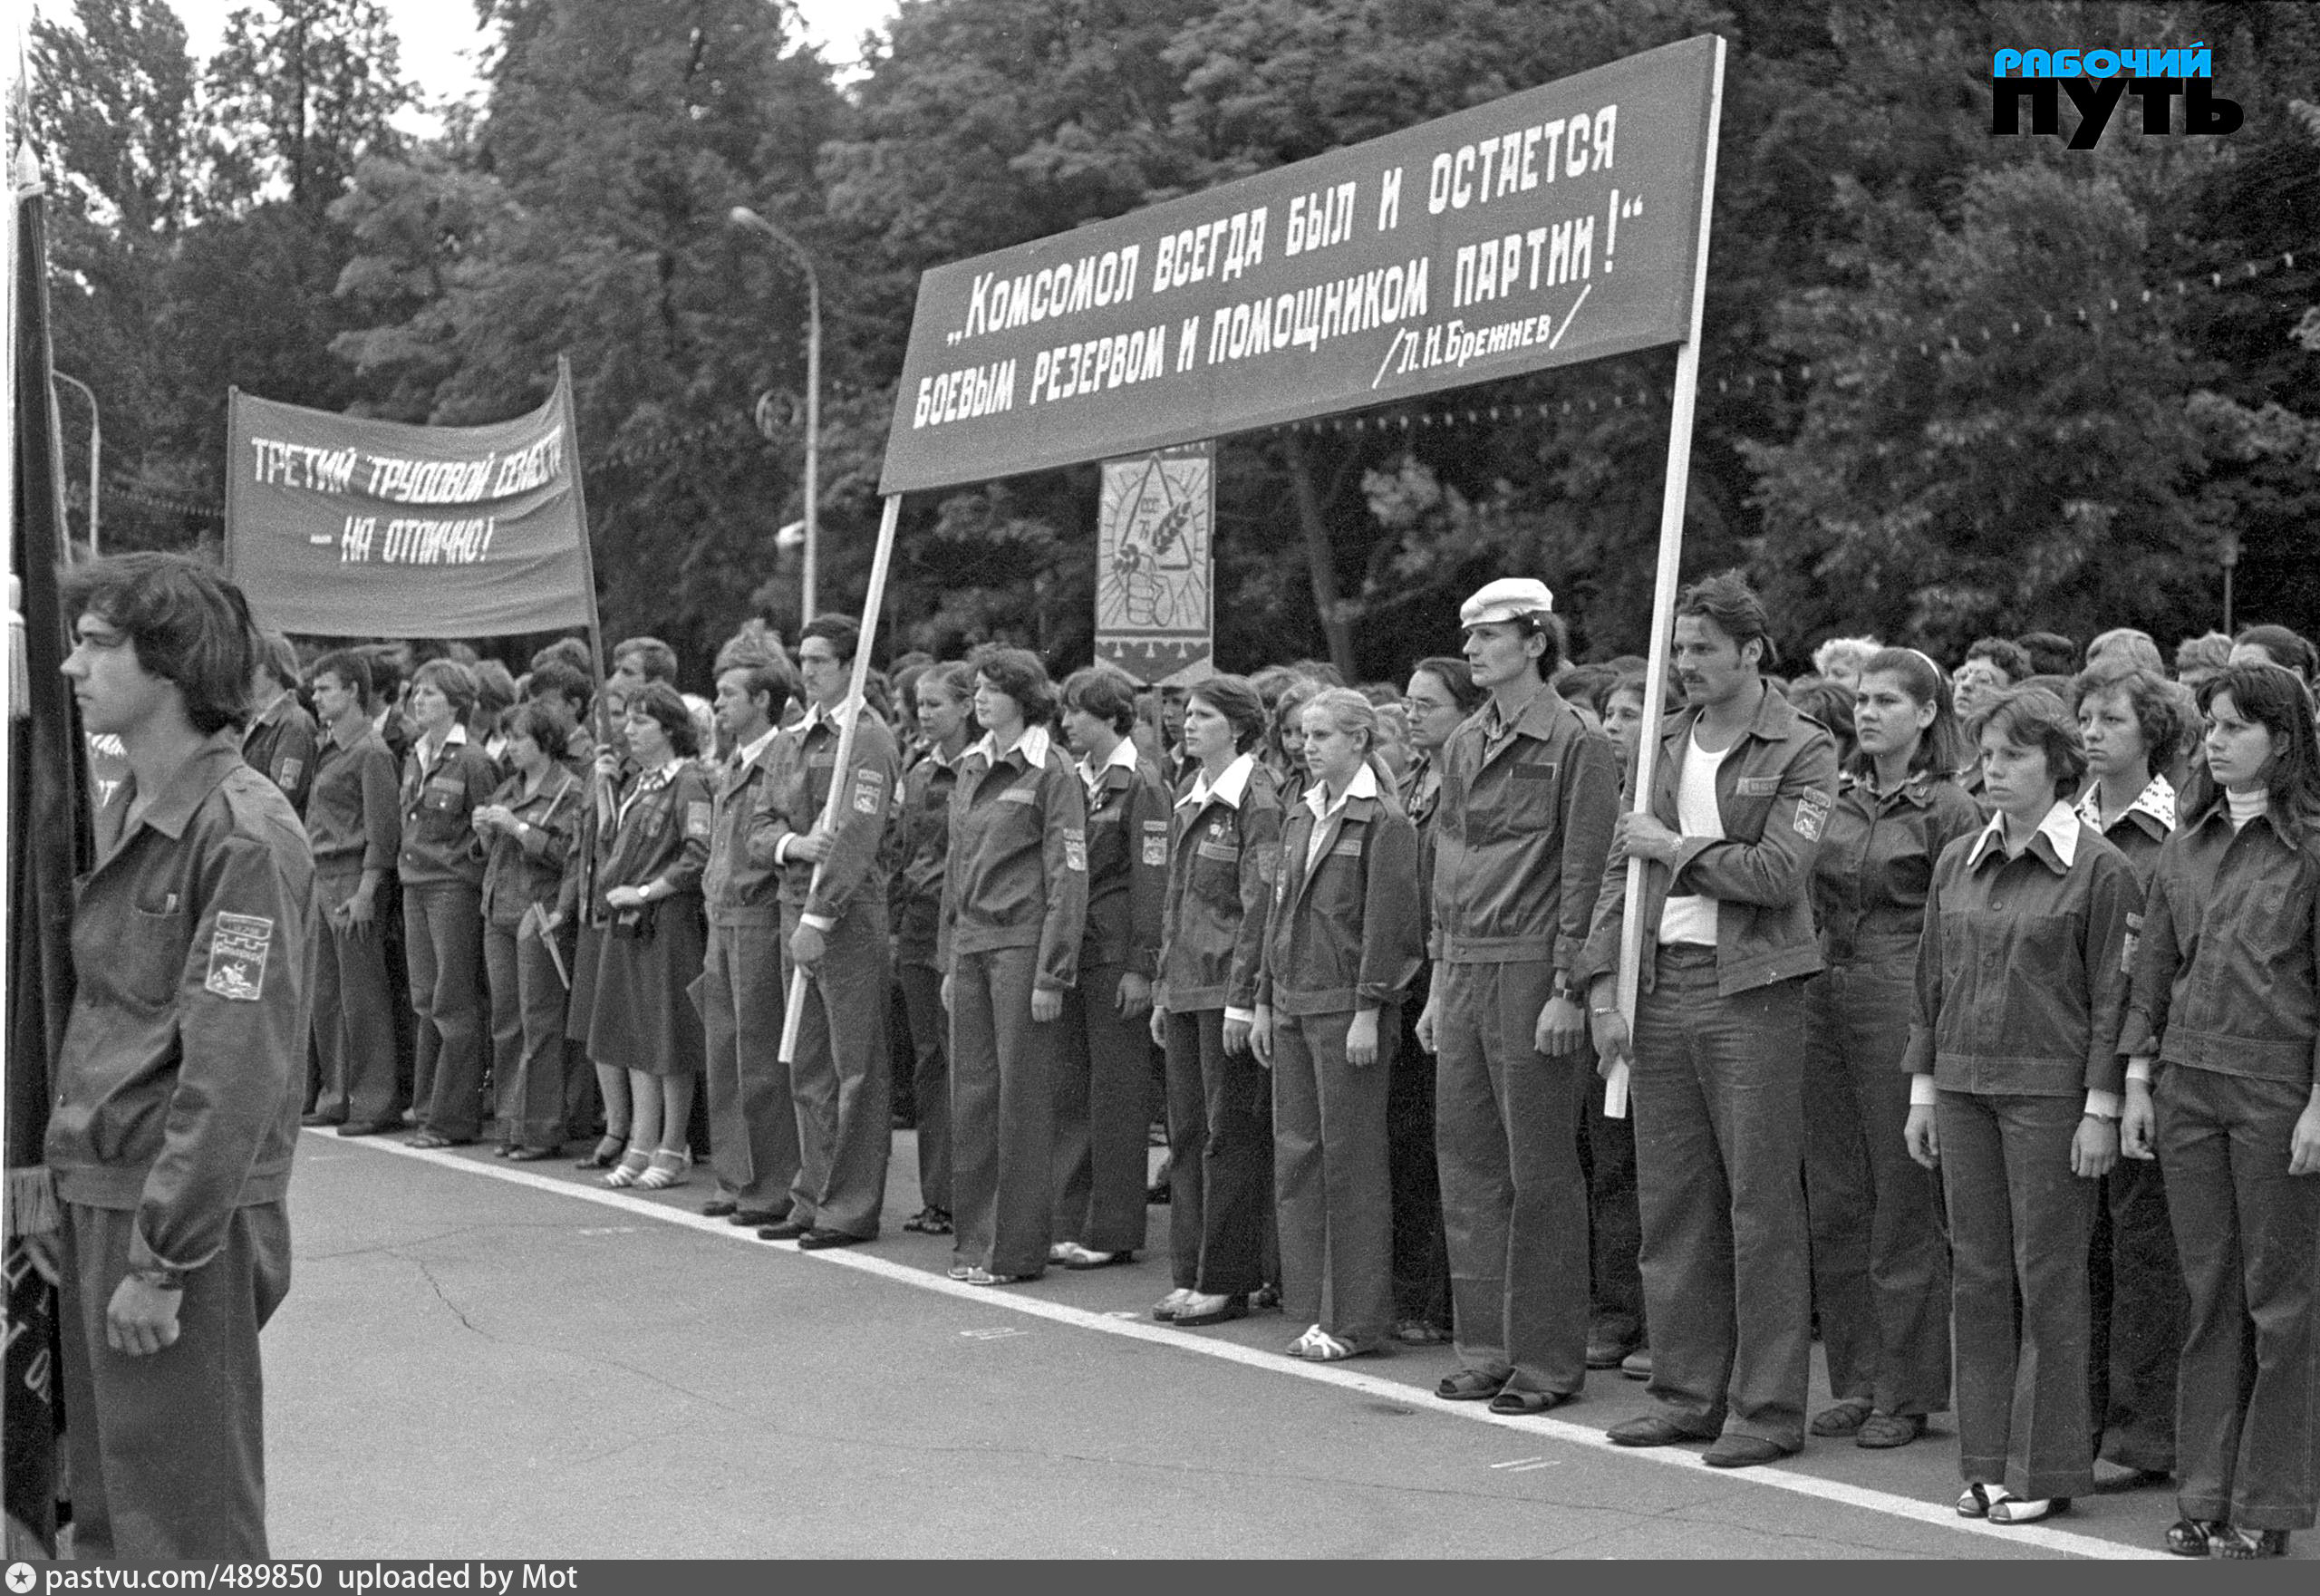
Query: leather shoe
[[1744, 1452], [755, 1217], [1636, 1365], [719, 1207], [818, 1241], [312, 1119], [1607, 1354], [1654, 1429], [369, 1126], [787, 1230], [1216, 1309], [2126, 1477]]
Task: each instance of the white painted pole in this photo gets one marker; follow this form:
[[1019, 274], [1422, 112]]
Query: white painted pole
[[841, 769], [1663, 592]]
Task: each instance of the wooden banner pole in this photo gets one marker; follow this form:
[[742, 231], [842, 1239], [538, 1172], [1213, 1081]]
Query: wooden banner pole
[[1663, 592], [841, 770]]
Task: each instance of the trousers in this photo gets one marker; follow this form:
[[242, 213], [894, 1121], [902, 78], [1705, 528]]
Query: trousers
[[752, 1120], [443, 940], [2136, 1306], [1718, 1093], [527, 1035], [354, 1013], [1220, 1158], [1880, 1259], [1421, 1265], [168, 1451], [1101, 1133], [1332, 1190], [1513, 1196], [1004, 1069], [930, 1040], [2249, 1232], [2019, 1224], [838, 1079]]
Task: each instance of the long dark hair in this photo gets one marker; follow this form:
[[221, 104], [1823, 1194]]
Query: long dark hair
[[2275, 698], [1941, 747]]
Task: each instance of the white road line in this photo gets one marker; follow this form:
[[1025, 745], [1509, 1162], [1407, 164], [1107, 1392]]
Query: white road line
[[1937, 1515]]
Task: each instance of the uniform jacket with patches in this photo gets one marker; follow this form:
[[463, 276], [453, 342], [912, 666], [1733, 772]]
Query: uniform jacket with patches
[[527, 869], [440, 797], [1017, 876], [922, 855], [1127, 869], [1343, 933], [664, 835], [1221, 868], [281, 745], [1774, 791], [178, 1085], [800, 766], [1875, 865], [737, 889]]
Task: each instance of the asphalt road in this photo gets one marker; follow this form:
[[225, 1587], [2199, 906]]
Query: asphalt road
[[485, 1360]]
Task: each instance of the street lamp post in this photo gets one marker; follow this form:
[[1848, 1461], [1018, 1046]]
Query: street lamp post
[[742, 216], [96, 449]]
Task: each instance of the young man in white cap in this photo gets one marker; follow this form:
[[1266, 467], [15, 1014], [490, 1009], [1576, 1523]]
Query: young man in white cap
[[1528, 799], [1744, 787]]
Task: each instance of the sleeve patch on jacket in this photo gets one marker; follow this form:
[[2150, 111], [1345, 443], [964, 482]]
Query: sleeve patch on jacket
[[1812, 814], [1758, 786], [290, 769], [237, 951], [1075, 849], [867, 791], [1155, 842], [697, 818]]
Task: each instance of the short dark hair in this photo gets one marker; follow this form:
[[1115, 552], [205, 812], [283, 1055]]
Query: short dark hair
[[350, 668], [2006, 654], [666, 705], [2288, 650], [2033, 717], [555, 678], [1103, 691], [2051, 654], [1236, 699], [1018, 673], [574, 651], [655, 660], [764, 675], [1828, 702], [543, 725], [2157, 704], [842, 633], [454, 681], [1726, 599], [277, 659], [189, 624], [494, 689], [1458, 679]]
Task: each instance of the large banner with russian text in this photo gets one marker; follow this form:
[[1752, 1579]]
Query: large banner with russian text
[[1550, 227], [1154, 582], [344, 526]]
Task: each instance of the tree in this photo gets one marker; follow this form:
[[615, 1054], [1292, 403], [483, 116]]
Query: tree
[[301, 92]]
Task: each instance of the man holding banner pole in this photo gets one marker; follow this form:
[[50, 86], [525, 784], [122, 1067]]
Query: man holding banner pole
[[831, 778]]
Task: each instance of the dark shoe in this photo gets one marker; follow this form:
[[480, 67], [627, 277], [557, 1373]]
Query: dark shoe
[[1654, 1429], [1211, 1310], [1745, 1451], [929, 1220], [2126, 1477], [608, 1151], [2194, 1537], [1511, 1399], [719, 1207], [983, 1277], [821, 1241], [2239, 1545], [1420, 1332], [787, 1230], [433, 1140], [1084, 1258], [1608, 1352], [1636, 1365], [755, 1218], [369, 1126], [1267, 1297], [1469, 1384], [1845, 1419], [1881, 1432], [520, 1155], [318, 1119]]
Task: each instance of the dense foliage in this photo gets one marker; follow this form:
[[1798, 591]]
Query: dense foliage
[[1922, 414]]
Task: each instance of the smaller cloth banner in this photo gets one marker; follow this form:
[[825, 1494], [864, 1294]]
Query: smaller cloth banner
[[1156, 578]]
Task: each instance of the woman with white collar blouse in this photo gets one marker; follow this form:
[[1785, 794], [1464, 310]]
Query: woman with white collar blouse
[[1225, 850], [1014, 906]]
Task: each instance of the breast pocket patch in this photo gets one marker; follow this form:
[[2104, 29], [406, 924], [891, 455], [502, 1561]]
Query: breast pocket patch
[[1758, 786], [238, 952]]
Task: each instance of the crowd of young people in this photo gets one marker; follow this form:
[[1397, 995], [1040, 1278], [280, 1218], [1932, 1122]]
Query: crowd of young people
[[2038, 943]]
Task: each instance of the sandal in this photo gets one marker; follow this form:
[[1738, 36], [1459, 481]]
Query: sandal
[[668, 1169], [430, 1140], [979, 1276], [1164, 1310], [2232, 1542], [1975, 1500], [2027, 1510], [1514, 1399], [2194, 1537], [633, 1166], [1843, 1418], [1470, 1385], [929, 1220], [1883, 1431], [606, 1155], [529, 1155]]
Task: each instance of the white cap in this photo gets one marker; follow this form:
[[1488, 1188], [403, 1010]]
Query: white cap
[[1510, 598]]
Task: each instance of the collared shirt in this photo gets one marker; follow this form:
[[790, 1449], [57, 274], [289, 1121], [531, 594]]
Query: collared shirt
[[1875, 865], [1028, 748], [755, 746], [1228, 789], [1364, 785], [439, 792], [1224, 852], [2140, 828], [1122, 758], [1128, 862], [176, 1094], [352, 819], [2022, 969], [2227, 971], [736, 889], [1017, 874]]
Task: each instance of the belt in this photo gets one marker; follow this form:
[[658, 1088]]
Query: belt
[[1682, 955]]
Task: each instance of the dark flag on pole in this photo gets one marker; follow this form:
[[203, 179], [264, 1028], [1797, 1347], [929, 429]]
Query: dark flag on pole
[[48, 845]]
